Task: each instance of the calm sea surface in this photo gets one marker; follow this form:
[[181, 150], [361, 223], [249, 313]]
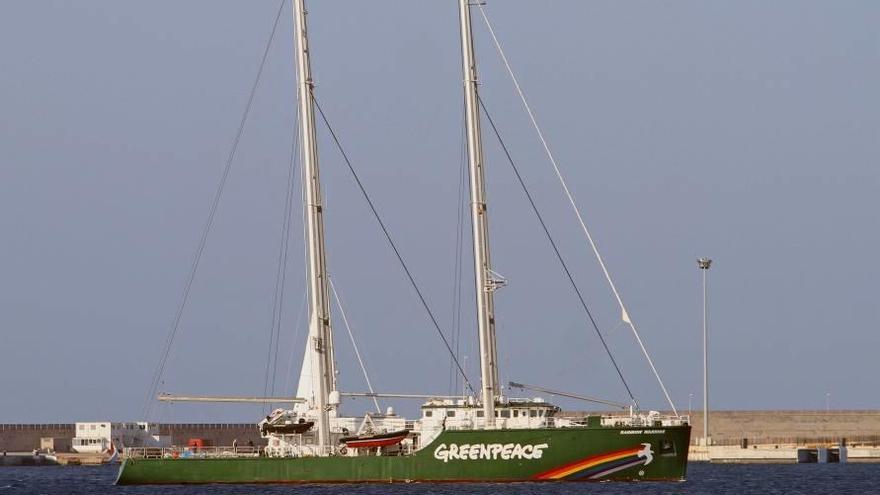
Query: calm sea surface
[[708, 479]]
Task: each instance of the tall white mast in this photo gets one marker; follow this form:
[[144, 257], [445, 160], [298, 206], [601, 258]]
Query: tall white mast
[[320, 343], [486, 282]]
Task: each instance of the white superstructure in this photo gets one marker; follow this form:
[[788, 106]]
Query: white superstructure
[[96, 436]]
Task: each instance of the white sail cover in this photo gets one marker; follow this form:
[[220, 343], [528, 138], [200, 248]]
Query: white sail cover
[[306, 387]]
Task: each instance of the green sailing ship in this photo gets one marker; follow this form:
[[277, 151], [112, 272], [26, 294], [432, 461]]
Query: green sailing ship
[[483, 436]]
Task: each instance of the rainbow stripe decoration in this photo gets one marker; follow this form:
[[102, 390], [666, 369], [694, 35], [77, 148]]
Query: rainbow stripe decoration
[[601, 465]]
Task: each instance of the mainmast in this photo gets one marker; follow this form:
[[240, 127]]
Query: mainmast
[[486, 280], [320, 345]]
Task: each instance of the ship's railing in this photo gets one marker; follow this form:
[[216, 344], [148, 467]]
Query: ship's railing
[[649, 420], [190, 452], [644, 421], [309, 450], [301, 450], [286, 451]]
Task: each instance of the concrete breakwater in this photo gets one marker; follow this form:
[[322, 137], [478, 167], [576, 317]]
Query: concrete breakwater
[[789, 427]]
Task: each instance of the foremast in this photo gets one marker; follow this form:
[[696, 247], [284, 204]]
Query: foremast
[[486, 280], [320, 344]]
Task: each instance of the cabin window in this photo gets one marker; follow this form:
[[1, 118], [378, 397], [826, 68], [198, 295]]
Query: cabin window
[[516, 413], [428, 414], [505, 413], [541, 412], [480, 414], [92, 427], [450, 414], [533, 413]]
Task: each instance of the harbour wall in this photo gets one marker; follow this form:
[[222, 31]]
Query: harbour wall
[[788, 427], [26, 437]]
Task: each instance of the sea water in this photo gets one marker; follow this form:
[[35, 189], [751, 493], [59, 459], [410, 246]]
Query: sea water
[[703, 479]]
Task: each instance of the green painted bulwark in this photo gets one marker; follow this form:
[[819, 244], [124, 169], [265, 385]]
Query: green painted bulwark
[[558, 454]]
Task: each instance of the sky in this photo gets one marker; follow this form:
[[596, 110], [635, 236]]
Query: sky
[[748, 132]]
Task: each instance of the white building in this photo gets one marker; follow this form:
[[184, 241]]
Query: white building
[[95, 437]]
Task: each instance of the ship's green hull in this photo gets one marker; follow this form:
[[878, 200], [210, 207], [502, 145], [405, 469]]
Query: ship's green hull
[[558, 454]]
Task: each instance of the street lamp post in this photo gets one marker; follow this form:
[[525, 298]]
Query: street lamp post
[[704, 264]]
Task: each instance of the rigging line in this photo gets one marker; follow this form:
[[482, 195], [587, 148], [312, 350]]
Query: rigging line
[[403, 265], [305, 253], [282, 250], [459, 257], [293, 166], [304, 310], [624, 314], [281, 273], [175, 325], [286, 257], [466, 219], [299, 314], [280, 314], [555, 248], [357, 352]]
